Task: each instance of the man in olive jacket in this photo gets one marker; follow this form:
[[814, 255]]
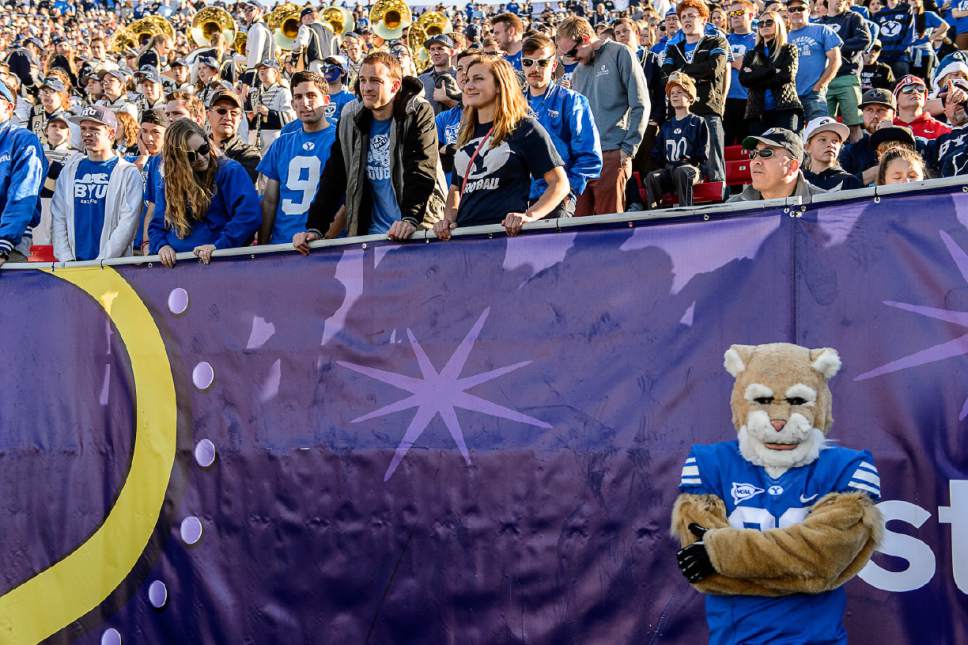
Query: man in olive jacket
[[704, 58], [384, 160]]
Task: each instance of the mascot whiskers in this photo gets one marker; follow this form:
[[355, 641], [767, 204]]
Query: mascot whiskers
[[774, 523]]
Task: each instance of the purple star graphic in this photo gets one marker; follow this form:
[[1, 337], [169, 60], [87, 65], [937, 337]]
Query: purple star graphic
[[441, 393], [948, 349]]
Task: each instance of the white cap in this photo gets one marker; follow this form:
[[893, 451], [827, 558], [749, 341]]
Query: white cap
[[950, 68], [825, 124]]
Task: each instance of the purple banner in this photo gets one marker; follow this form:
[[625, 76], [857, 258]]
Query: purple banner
[[474, 441]]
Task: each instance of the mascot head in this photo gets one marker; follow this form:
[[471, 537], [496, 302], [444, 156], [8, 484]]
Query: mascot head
[[781, 402]]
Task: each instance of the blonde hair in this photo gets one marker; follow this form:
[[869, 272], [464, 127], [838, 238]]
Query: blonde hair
[[510, 109], [575, 28], [188, 194], [779, 33]]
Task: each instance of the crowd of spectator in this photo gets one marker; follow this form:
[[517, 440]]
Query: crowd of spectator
[[514, 113]]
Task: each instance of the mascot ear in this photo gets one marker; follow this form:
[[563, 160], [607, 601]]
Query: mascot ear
[[826, 361], [736, 358]]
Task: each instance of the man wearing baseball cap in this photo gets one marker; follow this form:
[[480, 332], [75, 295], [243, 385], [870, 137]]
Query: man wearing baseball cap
[[97, 202], [440, 81], [858, 158], [911, 93], [823, 138], [948, 154], [151, 88], [775, 168], [22, 171]]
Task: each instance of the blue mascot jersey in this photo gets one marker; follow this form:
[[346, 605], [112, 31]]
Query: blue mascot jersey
[[756, 501]]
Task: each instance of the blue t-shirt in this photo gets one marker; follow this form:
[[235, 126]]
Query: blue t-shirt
[[386, 210], [931, 22], [296, 160], [812, 42], [961, 24], [90, 189], [689, 49], [896, 31], [739, 44], [336, 104], [754, 500], [515, 59]]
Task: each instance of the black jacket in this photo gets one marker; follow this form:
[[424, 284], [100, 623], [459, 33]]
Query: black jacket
[[415, 169], [709, 68], [760, 73], [247, 155]]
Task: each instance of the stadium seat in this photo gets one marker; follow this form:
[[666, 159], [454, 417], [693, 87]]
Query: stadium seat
[[737, 172], [707, 192], [41, 253], [735, 153]]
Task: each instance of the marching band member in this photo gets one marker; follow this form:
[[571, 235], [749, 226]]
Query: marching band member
[[180, 80], [259, 44], [151, 89], [314, 42], [272, 105], [113, 82], [208, 79]]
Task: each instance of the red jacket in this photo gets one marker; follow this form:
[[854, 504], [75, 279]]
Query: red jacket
[[925, 126]]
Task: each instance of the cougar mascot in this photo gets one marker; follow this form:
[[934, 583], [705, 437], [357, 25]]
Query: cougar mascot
[[774, 523]]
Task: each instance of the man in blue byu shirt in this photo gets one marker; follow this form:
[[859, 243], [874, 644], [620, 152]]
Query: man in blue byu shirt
[[566, 116], [294, 162], [819, 58], [97, 202]]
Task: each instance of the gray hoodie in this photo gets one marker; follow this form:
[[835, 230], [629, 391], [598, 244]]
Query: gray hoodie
[[614, 84]]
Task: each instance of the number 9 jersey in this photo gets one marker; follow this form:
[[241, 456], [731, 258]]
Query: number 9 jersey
[[296, 160]]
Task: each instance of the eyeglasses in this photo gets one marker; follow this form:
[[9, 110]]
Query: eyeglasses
[[202, 151], [540, 62], [766, 23], [911, 89], [765, 153], [223, 111], [737, 13]]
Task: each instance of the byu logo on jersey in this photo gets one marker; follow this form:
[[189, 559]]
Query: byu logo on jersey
[[743, 492], [775, 491], [309, 145], [891, 28]]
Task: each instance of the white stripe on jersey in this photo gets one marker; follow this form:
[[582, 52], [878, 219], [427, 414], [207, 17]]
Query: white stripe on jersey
[[864, 487], [867, 476], [690, 471], [691, 460], [694, 481], [868, 466]]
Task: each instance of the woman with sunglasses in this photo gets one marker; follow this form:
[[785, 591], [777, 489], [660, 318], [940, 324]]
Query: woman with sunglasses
[[500, 148], [769, 73], [207, 201]]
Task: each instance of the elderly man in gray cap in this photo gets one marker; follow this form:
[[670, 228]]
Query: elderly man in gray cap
[[775, 161]]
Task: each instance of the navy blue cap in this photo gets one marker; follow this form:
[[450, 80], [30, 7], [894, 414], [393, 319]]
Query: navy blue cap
[[268, 62], [208, 61], [54, 83]]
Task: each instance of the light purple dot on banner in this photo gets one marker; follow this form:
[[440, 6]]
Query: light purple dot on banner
[[111, 636], [203, 375], [157, 594], [205, 453], [178, 301], [191, 530]]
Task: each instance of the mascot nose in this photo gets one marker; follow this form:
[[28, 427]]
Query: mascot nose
[[778, 424]]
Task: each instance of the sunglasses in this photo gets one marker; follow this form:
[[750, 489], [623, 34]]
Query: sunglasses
[[202, 151], [911, 89], [737, 13], [765, 153], [766, 23], [540, 62], [796, 9], [223, 111]]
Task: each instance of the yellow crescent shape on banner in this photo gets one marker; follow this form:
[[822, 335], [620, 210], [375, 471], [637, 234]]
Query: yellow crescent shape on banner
[[70, 588]]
